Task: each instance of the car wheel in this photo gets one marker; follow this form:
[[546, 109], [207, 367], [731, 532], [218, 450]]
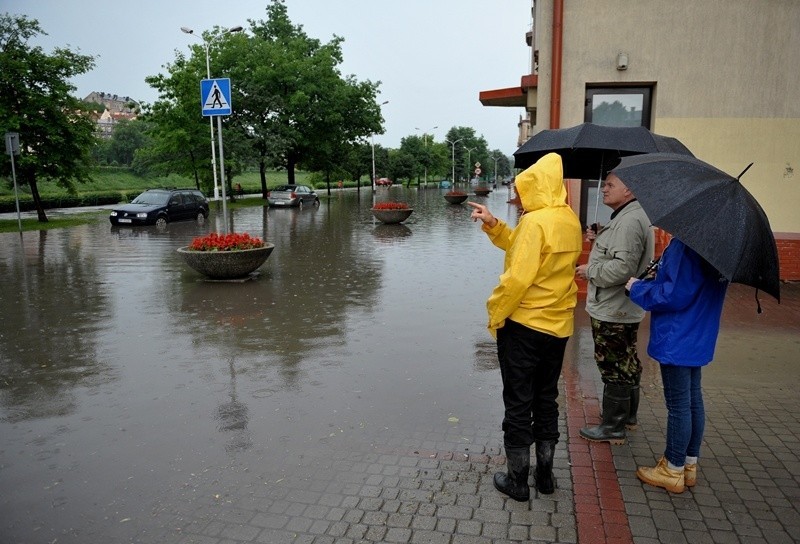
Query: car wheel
[[316, 202], [300, 204], [161, 222], [201, 217]]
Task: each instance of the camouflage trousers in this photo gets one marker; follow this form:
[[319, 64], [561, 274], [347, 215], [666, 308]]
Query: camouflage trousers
[[615, 352]]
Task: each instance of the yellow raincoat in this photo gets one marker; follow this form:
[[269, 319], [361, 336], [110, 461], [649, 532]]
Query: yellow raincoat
[[537, 288]]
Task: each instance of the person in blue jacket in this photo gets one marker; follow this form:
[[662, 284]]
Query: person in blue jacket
[[685, 302]]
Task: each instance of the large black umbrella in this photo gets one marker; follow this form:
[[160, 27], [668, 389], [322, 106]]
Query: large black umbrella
[[708, 210], [588, 151]]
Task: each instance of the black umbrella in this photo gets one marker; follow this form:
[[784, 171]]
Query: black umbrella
[[588, 151], [708, 210]]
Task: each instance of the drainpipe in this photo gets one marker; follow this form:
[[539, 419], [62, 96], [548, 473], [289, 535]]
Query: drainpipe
[[555, 83]]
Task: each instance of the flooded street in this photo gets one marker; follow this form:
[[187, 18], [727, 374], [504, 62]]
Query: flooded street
[[348, 393], [129, 383]]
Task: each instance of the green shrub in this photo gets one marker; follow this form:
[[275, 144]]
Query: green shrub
[[8, 203]]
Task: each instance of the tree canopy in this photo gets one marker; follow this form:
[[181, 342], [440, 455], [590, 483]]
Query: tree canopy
[[55, 130], [291, 104]]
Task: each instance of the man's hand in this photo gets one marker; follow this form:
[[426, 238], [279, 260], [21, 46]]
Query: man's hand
[[479, 211], [630, 283], [580, 271]]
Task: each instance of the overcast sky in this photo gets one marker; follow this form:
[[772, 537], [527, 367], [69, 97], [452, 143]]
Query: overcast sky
[[432, 57]]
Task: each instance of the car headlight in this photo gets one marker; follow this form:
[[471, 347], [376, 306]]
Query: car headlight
[[141, 215], [113, 214]]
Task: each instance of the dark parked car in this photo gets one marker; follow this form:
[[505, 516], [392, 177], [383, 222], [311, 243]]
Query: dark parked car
[[161, 206], [291, 195]]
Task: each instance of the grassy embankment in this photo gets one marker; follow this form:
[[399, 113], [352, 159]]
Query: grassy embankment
[[124, 182]]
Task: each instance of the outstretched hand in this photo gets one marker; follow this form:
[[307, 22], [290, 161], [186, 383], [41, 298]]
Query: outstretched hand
[[479, 211]]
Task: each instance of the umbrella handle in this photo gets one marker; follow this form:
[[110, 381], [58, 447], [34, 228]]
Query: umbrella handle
[[597, 200]]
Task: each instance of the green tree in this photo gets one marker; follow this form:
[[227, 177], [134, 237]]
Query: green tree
[[56, 133], [357, 161], [291, 99], [502, 164], [127, 138], [466, 138], [402, 165], [179, 134]]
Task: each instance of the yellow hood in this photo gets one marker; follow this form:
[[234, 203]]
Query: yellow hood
[[542, 185]]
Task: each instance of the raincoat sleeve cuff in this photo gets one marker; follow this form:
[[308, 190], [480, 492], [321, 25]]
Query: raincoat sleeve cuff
[[493, 328], [498, 227]]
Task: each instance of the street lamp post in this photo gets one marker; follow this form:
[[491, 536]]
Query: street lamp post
[[206, 45], [469, 160], [425, 140], [454, 158], [495, 159], [372, 140]]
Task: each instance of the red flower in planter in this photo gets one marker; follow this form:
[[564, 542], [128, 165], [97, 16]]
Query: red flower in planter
[[225, 242], [390, 206]]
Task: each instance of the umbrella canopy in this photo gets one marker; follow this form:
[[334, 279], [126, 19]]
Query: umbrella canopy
[[708, 210], [588, 151]]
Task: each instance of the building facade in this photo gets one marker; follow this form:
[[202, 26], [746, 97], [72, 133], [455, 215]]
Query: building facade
[[719, 75], [117, 108]]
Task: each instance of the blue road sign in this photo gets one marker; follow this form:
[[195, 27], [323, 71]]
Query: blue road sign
[[215, 97]]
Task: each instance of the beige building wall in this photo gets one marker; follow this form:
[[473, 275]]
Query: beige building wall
[[724, 72]]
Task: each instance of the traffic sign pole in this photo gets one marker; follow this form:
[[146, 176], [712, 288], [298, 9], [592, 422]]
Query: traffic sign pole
[[222, 176], [12, 148], [215, 101]]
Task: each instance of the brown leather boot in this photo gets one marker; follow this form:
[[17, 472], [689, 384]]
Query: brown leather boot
[[663, 476]]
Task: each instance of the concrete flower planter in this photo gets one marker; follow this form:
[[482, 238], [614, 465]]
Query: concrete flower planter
[[482, 191], [226, 265], [392, 216], [455, 199]]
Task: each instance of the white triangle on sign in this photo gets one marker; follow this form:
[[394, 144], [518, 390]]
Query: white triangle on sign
[[216, 99]]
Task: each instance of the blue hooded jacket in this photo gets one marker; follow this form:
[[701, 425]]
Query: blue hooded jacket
[[685, 303]]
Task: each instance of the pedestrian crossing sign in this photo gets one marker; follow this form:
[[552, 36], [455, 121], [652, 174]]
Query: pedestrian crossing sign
[[215, 97]]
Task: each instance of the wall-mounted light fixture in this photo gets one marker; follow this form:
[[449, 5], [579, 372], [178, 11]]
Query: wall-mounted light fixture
[[622, 61]]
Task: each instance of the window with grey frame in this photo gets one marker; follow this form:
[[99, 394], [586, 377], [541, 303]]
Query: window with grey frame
[[612, 107]]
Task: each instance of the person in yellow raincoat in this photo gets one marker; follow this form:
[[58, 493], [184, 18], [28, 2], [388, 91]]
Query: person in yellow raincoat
[[531, 314]]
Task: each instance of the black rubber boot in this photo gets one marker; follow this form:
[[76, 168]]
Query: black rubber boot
[[632, 422], [543, 476], [616, 407], [514, 483]]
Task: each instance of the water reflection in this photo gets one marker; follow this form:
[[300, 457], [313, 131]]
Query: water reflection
[[233, 417], [53, 306], [391, 234], [125, 378]]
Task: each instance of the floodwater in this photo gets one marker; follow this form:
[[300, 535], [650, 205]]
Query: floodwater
[[129, 385], [137, 398]]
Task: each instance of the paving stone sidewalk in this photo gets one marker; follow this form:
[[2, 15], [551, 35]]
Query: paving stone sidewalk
[[435, 486]]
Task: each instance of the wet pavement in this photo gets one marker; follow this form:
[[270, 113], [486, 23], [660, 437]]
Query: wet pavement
[[350, 393]]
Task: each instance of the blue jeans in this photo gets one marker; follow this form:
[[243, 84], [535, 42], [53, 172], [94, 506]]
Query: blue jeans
[[686, 416]]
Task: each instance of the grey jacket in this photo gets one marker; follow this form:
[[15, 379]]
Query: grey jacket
[[623, 248]]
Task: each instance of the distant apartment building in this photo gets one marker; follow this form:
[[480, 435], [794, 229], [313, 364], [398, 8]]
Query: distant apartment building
[[117, 108], [720, 76]]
